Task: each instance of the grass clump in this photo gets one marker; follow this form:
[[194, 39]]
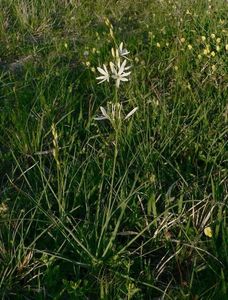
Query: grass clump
[[115, 190]]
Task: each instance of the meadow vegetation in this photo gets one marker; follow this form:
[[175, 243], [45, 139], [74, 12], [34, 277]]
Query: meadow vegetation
[[115, 189]]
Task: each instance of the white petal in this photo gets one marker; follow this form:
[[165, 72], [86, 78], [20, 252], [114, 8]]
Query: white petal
[[105, 68], [100, 118], [112, 67], [121, 47], [101, 81], [121, 69], [125, 52], [101, 77], [131, 113], [127, 68], [125, 74], [124, 79], [104, 113], [101, 71]]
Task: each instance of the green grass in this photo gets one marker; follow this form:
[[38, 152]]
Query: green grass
[[113, 210]]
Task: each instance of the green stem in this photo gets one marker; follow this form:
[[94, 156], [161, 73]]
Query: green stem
[[113, 168], [107, 214], [60, 187], [116, 95]]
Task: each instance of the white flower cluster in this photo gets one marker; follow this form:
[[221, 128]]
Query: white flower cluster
[[117, 70]]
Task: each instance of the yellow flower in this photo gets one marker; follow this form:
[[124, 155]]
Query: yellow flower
[[87, 64], [217, 48], [167, 44], [97, 34], [136, 59], [203, 38], [218, 40], [175, 68], [213, 67], [158, 45], [3, 208], [226, 47], [213, 53], [208, 231], [213, 36], [206, 50], [182, 40], [199, 56], [190, 47]]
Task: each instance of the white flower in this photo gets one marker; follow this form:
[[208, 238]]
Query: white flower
[[123, 52], [118, 72], [105, 75], [104, 116], [86, 53], [119, 52], [114, 112]]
